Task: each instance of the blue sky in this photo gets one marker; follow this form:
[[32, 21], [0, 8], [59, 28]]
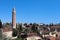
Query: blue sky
[[30, 11]]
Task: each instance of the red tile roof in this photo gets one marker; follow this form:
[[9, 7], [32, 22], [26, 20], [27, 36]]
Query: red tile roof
[[51, 37], [32, 34], [55, 26]]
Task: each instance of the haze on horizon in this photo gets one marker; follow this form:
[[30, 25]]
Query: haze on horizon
[[30, 11]]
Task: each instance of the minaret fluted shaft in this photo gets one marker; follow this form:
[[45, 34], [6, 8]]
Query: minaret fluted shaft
[[14, 18]]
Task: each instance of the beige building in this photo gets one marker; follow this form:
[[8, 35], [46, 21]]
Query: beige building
[[33, 36], [7, 32]]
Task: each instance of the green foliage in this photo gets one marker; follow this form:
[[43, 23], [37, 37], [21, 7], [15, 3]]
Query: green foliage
[[20, 27], [0, 24], [26, 30], [19, 37], [34, 28], [7, 24], [15, 32]]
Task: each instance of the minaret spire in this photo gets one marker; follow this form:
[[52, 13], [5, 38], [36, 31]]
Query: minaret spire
[[14, 10]]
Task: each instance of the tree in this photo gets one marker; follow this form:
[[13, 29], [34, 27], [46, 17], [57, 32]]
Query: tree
[[7, 24], [15, 32], [19, 30], [19, 38], [20, 27], [51, 24], [26, 30], [34, 28], [25, 24], [0, 24], [30, 24]]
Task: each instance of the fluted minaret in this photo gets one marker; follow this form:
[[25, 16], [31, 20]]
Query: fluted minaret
[[14, 18]]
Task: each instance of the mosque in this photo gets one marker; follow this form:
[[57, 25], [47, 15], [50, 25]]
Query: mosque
[[8, 31]]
